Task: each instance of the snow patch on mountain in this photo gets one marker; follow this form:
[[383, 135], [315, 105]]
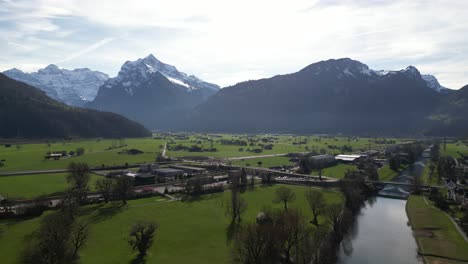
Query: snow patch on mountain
[[132, 73], [73, 87], [433, 83]]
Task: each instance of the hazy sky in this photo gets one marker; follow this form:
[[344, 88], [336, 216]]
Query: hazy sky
[[230, 41]]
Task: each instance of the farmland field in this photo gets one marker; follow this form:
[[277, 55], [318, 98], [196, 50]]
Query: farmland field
[[455, 149], [34, 185], [189, 232], [97, 152]]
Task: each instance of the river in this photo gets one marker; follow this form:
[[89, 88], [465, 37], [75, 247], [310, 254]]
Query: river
[[380, 235]]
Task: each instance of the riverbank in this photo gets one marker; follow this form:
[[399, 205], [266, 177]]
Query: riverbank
[[438, 239]]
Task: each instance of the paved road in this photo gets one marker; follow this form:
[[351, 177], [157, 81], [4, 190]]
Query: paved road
[[164, 151], [32, 172], [262, 156]]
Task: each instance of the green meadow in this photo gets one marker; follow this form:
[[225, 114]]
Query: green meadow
[[34, 185], [189, 232], [108, 152], [435, 233], [456, 149]]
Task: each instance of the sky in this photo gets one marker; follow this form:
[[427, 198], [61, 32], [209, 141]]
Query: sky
[[226, 42]]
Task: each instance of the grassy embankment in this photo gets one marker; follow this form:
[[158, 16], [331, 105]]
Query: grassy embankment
[[338, 171], [189, 232], [436, 235], [34, 185]]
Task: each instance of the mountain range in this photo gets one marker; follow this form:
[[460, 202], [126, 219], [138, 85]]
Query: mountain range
[[27, 112], [333, 96], [152, 92], [73, 87]]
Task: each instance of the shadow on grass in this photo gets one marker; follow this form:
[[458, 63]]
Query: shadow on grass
[[231, 231], [138, 260], [104, 213], [198, 198]]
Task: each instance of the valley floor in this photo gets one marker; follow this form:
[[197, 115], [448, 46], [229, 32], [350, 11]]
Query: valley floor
[[189, 232]]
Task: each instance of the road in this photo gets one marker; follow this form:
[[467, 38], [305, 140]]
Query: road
[[262, 156], [164, 151]]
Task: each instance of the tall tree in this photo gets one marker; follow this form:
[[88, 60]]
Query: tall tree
[[316, 203], [334, 213], [79, 235], [394, 163], [104, 186], [284, 195], [78, 177], [51, 243], [123, 188], [237, 204]]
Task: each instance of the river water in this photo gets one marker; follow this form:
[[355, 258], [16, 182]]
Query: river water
[[381, 235]]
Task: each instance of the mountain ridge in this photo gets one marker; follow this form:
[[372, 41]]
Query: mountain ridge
[[73, 87], [27, 112]]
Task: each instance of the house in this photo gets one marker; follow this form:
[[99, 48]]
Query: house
[[451, 190], [168, 174], [145, 179], [189, 169], [324, 158], [347, 158], [148, 167], [55, 156]]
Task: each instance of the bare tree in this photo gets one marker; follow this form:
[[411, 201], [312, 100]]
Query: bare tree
[[334, 213], [123, 188], [104, 186], [78, 177], [284, 195], [237, 205], [78, 238], [316, 203], [142, 237]]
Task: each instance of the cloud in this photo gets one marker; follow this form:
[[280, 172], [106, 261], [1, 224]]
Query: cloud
[[233, 41], [87, 50]]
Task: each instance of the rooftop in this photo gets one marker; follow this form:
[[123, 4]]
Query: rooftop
[[168, 170]]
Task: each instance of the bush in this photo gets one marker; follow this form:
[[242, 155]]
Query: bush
[[80, 151]]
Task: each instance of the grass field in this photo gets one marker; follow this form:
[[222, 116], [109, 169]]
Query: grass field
[[454, 149], [189, 232], [337, 171], [97, 152], [435, 233], [29, 186], [23, 157]]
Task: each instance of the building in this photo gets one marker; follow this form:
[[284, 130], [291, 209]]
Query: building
[[168, 174], [323, 160], [55, 156], [145, 179], [189, 169], [347, 158], [148, 167]]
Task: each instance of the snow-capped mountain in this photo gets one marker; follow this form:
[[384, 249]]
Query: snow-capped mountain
[[433, 83], [151, 92], [133, 73], [430, 80], [73, 87]]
